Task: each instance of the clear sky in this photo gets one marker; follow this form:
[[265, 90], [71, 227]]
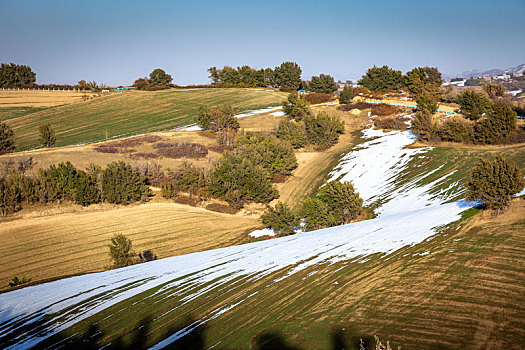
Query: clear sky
[[117, 41]]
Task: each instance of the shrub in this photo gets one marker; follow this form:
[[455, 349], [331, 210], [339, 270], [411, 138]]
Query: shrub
[[217, 118], [346, 96], [323, 130], [427, 103], [315, 215], [7, 142], [456, 130], [189, 179], [168, 190], [147, 255], [86, 189], [281, 219], [494, 182], [274, 155], [47, 135], [383, 109], [315, 98], [123, 185], [296, 106], [423, 126], [238, 179], [106, 149], [59, 181], [494, 128], [341, 200], [292, 132], [15, 282], [473, 104], [120, 251], [9, 201], [390, 123]]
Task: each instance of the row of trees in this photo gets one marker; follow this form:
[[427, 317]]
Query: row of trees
[[336, 203], [420, 80], [7, 137], [118, 183], [287, 77]]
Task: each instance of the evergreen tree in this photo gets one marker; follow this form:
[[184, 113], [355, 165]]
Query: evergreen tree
[[86, 189], [288, 76], [341, 200], [292, 132], [47, 135], [494, 182], [315, 215], [281, 219], [380, 79], [423, 81], [323, 130], [296, 106], [427, 103], [474, 104], [346, 96], [493, 128], [423, 126], [120, 251], [16, 75], [160, 77], [456, 130], [7, 142], [324, 84], [121, 184]]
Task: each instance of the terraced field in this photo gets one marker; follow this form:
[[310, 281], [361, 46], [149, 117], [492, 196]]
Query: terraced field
[[128, 114]]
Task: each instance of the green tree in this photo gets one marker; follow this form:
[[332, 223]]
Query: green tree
[[59, 180], [16, 75], [86, 190], [456, 130], [120, 251], [121, 184], [296, 106], [493, 90], [9, 199], [423, 80], [288, 76], [346, 96], [323, 130], [427, 103], [160, 77], [292, 132], [315, 214], [47, 135], [324, 84], [281, 219], [494, 182], [217, 118], [380, 79], [341, 200], [423, 126], [474, 104], [7, 142], [493, 128]]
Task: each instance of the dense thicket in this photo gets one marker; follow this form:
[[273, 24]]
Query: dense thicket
[[494, 182], [323, 130], [121, 184], [296, 106], [217, 118], [293, 132], [16, 75], [7, 140], [324, 84]]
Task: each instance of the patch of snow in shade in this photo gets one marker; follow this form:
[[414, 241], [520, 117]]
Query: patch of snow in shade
[[278, 114], [193, 127], [257, 111]]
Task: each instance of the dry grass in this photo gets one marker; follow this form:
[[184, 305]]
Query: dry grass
[[314, 166], [43, 244], [42, 98]]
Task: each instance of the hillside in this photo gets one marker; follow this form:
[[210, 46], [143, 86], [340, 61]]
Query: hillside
[[128, 113], [422, 274]]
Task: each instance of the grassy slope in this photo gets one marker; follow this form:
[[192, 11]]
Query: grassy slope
[[15, 112], [130, 113], [50, 246], [461, 289]]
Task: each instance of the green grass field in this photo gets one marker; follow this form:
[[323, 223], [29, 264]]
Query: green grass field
[[127, 114]]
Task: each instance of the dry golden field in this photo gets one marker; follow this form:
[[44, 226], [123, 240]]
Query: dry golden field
[[42, 98], [54, 241]]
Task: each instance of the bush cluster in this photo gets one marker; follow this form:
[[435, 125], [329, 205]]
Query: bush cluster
[[336, 203], [119, 183], [217, 118]]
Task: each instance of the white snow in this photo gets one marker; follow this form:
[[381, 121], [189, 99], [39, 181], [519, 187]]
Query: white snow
[[409, 215], [263, 232], [257, 111]]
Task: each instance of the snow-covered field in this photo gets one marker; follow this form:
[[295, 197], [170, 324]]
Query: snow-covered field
[[408, 214]]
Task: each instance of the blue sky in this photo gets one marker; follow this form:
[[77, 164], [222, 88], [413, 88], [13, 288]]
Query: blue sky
[[116, 41]]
